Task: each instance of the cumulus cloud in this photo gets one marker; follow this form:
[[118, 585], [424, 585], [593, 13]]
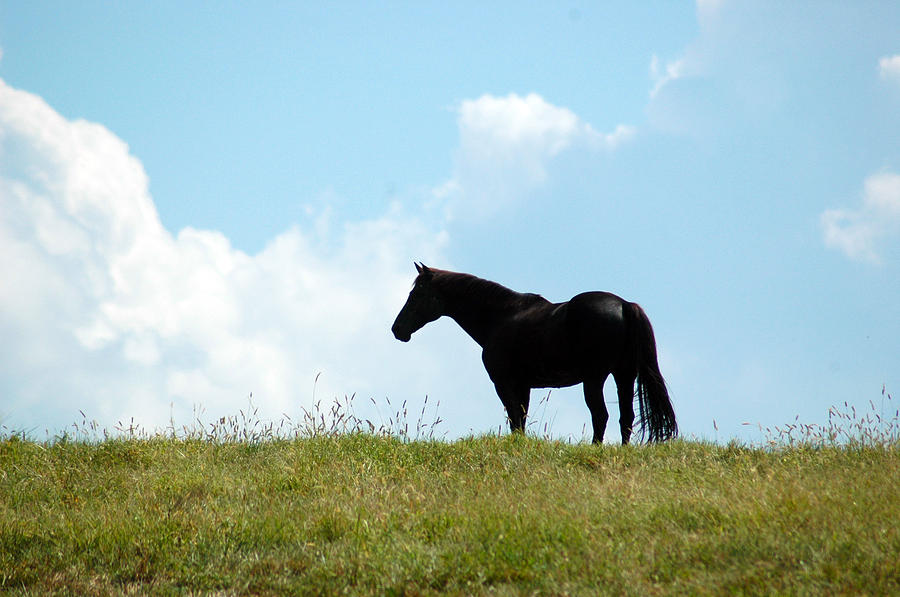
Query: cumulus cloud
[[103, 310], [858, 233], [889, 68], [506, 145]]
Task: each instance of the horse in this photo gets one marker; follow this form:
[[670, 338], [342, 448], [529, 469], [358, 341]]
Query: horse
[[528, 342]]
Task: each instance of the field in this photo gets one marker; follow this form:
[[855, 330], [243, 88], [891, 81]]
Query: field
[[375, 514]]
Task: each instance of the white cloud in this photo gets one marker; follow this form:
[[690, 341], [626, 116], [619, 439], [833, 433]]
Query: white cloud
[[103, 310], [858, 233], [514, 126], [674, 70], [889, 68], [506, 145]]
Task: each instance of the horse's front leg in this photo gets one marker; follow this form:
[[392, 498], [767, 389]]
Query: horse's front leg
[[515, 398], [593, 396]]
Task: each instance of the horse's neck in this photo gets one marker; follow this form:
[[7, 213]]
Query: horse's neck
[[478, 305], [477, 324]]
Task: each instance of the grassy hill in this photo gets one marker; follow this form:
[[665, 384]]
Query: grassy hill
[[373, 514]]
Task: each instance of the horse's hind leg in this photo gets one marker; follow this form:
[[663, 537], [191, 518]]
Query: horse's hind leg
[[593, 396], [625, 389], [515, 399]]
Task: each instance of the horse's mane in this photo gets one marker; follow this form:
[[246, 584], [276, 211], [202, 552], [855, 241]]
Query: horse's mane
[[485, 291]]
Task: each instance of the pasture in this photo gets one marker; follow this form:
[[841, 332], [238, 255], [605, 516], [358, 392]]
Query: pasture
[[375, 514]]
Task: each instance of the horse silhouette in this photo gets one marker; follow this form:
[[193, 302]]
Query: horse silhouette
[[528, 342]]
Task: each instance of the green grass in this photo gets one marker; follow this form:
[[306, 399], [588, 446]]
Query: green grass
[[360, 513]]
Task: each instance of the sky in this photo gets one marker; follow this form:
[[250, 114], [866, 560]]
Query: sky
[[204, 201]]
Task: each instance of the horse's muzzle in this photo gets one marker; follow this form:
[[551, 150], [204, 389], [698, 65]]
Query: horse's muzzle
[[402, 336]]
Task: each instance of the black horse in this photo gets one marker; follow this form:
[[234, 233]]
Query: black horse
[[529, 342]]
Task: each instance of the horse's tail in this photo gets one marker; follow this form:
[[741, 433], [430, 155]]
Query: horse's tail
[[656, 415]]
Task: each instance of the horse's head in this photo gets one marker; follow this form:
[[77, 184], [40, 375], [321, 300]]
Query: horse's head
[[424, 305]]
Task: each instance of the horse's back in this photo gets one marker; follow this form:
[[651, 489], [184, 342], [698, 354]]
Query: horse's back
[[596, 307]]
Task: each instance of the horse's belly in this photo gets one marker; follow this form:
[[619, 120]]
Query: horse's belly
[[555, 380], [554, 372]]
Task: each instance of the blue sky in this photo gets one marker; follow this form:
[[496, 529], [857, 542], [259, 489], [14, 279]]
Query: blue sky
[[198, 202]]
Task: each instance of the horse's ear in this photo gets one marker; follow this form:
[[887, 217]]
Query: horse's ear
[[419, 267]]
